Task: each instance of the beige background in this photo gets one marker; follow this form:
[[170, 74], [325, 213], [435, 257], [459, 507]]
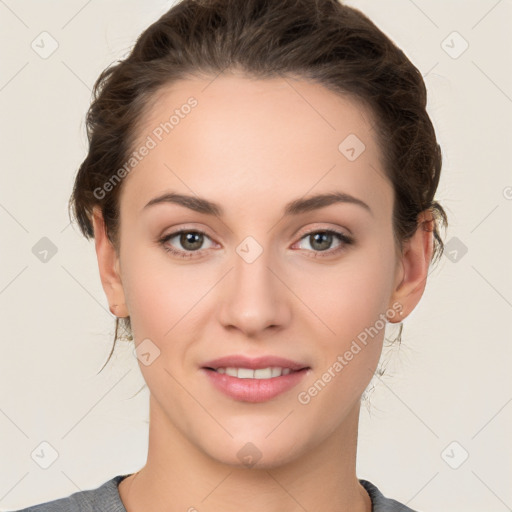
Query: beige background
[[449, 383]]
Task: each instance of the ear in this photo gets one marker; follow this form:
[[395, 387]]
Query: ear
[[415, 260], [108, 263]]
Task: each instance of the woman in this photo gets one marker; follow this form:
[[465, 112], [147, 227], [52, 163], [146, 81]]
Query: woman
[[260, 186]]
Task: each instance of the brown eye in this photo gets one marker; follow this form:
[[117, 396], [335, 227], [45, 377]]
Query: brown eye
[[188, 241], [191, 240]]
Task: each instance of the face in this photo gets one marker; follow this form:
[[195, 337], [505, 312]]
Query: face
[[268, 272]]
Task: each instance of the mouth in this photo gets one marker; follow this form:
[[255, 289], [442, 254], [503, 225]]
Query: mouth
[[254, 379], [254, 384], [269, 372]]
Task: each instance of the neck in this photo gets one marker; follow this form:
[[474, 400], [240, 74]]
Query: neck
[[179, 477]]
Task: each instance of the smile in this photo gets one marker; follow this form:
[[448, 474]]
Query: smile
[[248, 373], [259, 385]]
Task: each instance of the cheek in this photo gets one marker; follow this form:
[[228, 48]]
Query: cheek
[[348, 340], [151, 291], [162, 295], [347, 297], [349, 303]]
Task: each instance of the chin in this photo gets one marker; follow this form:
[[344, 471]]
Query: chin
[[260, 453]]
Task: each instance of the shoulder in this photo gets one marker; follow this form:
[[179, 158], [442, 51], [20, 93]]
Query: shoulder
[[380, 503], [104, 498]]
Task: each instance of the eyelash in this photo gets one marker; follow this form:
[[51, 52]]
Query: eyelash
[[346, 240]]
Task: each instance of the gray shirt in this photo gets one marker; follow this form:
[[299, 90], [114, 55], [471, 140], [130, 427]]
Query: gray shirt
[[106, 499]]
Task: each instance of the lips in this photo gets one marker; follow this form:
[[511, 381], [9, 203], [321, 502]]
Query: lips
[[240, 361], [247, 379]]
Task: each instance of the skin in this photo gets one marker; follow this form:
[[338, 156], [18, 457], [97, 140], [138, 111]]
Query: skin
[[252, 146]]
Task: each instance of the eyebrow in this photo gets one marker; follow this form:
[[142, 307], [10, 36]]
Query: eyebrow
[[295, 207]]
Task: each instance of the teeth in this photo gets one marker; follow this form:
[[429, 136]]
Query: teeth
[[276, 372], [260, 373], [244, 373], [233, 372]]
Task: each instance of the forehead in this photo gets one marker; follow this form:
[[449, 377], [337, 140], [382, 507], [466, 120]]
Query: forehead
[[248, 137]]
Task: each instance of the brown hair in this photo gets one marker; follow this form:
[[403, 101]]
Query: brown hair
[[319, 40]]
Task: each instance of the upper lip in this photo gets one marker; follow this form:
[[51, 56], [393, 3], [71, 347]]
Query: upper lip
[[254, 363]]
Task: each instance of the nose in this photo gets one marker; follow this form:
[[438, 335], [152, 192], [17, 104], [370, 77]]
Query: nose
[[254, 297]]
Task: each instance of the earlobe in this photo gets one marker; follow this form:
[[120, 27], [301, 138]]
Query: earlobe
[[415, 262], [108, 264]]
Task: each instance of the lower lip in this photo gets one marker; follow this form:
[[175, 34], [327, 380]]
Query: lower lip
[[254, 390]]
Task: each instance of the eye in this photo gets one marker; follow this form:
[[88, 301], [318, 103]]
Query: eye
[[321, 241], [190, 240]]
